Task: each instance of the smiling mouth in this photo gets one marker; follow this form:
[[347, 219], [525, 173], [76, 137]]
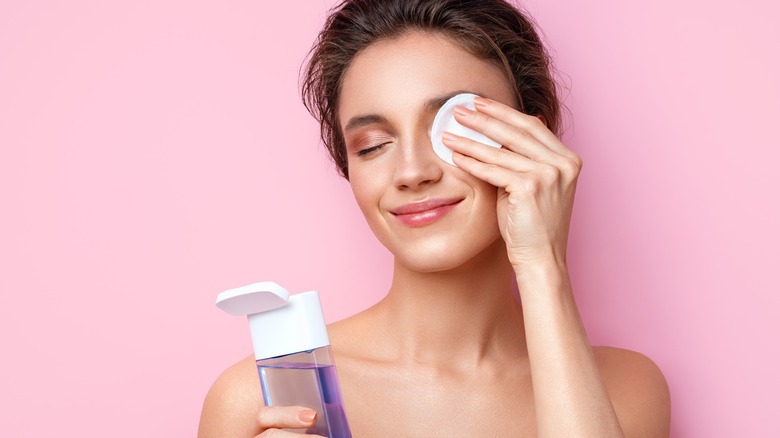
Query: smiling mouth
[[425, 212]]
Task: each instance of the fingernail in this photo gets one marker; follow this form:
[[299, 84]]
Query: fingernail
[[448, 136], [306, 416], [481, 102], [463, 111]]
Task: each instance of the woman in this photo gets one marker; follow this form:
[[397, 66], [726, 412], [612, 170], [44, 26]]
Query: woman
[[449, 351]]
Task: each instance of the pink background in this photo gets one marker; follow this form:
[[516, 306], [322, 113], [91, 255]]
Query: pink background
[[155, 153]]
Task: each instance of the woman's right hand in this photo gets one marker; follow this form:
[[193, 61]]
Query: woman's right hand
[[270, 420]]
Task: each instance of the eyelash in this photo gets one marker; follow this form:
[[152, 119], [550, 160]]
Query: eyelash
[[370, 149]]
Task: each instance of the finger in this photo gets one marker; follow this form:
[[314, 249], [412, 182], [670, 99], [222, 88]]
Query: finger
[[278, 433], [512, 137], [545, 175], [492, 173], [530, 138], [563, 167], [487, 154], [512, 116], [287, 417], [529, 123], [517, 140]]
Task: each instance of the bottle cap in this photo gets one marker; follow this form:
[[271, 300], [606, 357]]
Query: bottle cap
[[445, 121], [280, 323]]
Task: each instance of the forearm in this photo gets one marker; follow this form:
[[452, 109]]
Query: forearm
[[569, 394]]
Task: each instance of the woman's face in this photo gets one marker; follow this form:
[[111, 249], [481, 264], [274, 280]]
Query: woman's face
[[432, 216]]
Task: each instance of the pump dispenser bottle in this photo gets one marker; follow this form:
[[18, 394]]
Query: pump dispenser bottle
[[292, 351]]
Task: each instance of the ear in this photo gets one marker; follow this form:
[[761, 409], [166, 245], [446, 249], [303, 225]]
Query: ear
[[541, 117]]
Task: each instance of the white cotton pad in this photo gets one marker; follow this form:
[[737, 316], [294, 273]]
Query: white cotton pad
[[445, 121]]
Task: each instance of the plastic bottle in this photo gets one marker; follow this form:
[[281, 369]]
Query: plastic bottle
[[292, 350]]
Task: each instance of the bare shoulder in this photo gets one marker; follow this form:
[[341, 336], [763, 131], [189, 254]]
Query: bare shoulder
[[232, 401], [350, 337], [638, 390], [343, 332]]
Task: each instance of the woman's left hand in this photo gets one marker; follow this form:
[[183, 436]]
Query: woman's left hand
[[535, 173]]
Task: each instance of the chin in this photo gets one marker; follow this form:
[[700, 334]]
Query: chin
[[442, 255]]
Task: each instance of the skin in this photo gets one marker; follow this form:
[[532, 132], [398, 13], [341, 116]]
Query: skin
[[449, 351]]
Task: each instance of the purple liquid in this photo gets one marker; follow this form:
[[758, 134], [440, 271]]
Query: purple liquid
[[309, 385]]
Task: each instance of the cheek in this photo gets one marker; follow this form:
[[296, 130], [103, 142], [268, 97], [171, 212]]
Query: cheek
[[489, 193], [484, 192], [365, 192], [487, 196]]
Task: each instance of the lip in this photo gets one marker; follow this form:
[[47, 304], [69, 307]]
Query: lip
[[421, 213]]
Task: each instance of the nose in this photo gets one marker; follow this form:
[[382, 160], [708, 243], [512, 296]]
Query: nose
[[418, 166]]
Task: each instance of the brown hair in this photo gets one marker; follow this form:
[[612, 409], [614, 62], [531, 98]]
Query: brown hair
[[490, 29]]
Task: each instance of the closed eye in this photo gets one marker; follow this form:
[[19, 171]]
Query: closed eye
[[366, 151]]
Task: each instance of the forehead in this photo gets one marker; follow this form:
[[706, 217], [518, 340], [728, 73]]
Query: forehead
[[394, 76]]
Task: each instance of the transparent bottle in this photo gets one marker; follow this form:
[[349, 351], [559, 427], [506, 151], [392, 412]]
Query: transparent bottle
[[292, 350]]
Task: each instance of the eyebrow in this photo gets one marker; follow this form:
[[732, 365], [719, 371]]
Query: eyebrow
[[431, 104], [360, 121], [436, 102]]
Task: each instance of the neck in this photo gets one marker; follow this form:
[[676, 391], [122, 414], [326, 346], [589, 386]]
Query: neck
[[458, 318]]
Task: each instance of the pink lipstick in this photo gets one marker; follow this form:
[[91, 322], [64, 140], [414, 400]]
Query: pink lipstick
[[425, 212]]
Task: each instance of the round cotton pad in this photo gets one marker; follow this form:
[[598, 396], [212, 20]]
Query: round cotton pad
[[445, 121]]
